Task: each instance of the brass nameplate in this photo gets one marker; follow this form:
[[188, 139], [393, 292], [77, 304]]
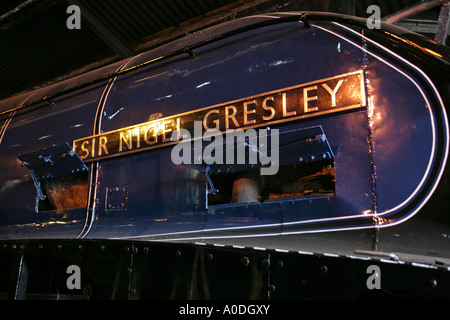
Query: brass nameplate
[[321, 97]]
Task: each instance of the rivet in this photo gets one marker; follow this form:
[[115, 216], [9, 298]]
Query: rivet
[[245, 261], [324, 269], [133, 292], [102, 248], [266, 263], [280, 264], [80, 247], [433, 283], [127, 249], [145, 249], [209, 256], [178, 253], [59, 247]]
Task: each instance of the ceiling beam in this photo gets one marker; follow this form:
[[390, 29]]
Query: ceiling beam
[[443, 24], [410, 11], [418, 25], [23, 12], [201, 22]]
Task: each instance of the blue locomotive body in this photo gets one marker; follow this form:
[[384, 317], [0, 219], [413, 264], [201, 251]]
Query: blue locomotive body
[[360, 116]]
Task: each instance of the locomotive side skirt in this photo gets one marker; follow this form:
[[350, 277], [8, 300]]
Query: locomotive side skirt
[[135, 270]]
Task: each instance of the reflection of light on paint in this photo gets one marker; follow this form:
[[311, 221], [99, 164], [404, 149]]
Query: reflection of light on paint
[[203, 84], [113, 115], [155, 116], [370, 110], [433, 52], [381, 221], [280, 62], [150, 77], [45, 137], [165, 97], [366, 212], [417, 46], [48, 223]]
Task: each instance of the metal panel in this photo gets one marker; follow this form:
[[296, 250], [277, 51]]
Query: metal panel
[[125, 270]]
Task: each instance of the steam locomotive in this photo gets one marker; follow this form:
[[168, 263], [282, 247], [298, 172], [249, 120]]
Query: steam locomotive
[[338, 160]]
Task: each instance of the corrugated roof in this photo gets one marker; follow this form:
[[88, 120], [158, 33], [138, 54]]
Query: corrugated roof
[[41, 47], [36, 47]]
